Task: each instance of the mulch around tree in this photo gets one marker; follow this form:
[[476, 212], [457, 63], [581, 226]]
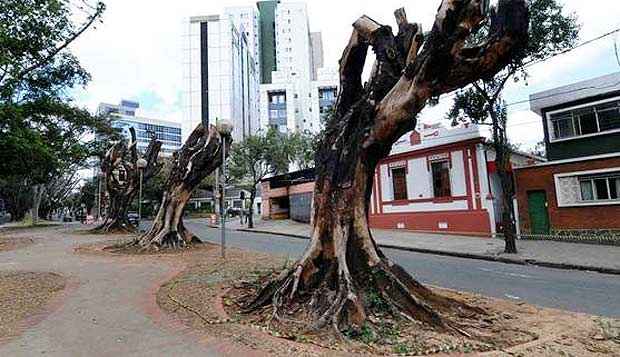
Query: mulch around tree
[[12, 242], [121, 247], [208, 295], [24, 299]]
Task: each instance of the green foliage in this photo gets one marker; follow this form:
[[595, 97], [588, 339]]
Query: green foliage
[[34, 36], [258, 156], [551, 32], [302, 148], [402, 348], [42, 134], [376, 302], [88, 194]]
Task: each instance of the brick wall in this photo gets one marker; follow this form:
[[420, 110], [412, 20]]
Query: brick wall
[[541, 178]]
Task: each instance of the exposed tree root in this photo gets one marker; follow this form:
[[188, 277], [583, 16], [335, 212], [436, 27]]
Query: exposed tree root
[[115, 226], [337, 302]]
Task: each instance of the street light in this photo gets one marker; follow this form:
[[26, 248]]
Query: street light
[[225, 128], [142, 164]]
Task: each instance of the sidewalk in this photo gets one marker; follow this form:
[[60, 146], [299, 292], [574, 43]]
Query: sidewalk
[[598, 258]]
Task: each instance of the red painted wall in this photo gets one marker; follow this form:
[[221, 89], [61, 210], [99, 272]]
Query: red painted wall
[[459, 222]]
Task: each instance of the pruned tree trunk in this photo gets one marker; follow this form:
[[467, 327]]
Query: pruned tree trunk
[[122, 179], [199, 157], [343, 266]]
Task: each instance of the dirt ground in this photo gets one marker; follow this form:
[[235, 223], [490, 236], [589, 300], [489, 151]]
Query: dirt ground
[[13, 242], [206, 297], [24, 297]]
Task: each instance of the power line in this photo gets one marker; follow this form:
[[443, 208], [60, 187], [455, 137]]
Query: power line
[[532, 63], [584, 43]]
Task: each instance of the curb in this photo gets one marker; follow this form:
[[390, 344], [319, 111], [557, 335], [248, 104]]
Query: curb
[[489, 258]]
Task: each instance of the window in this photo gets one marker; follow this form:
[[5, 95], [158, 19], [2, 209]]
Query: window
[[277, 98], [586, 121], [399, 182], [441, 179], [600, 187]]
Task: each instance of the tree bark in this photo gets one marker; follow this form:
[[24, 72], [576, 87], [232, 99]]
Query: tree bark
[[122, 179], [251, 215], [343, 266], [199, 157], [503, 166], [37, 196]]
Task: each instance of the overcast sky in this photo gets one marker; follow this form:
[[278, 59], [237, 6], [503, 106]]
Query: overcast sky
[[137, 52]]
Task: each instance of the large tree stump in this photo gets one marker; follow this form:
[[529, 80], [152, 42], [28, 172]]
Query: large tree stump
[[342, 265], [122, 180], [200, 156]]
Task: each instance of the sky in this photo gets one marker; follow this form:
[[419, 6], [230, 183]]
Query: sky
[[137, 52]]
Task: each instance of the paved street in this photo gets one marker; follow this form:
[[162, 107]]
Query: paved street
[[577, 291]]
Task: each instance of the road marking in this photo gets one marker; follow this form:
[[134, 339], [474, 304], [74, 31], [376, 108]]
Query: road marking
[[512, 297], [517, 275]]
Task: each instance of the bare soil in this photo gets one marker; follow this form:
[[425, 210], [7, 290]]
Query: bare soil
[[121, 247], [208, 297], [23, 297], [12, 242]]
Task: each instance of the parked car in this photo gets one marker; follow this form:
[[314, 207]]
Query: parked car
[[133, 218]]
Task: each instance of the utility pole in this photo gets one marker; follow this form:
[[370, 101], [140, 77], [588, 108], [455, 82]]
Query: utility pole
[[225, 128]]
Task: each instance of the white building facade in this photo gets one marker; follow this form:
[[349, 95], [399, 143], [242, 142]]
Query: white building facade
[[301, 89], [441, 180], [221, 73], [259, 67]]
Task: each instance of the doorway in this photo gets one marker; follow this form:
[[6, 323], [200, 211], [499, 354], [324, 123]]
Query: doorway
[[538, 211]]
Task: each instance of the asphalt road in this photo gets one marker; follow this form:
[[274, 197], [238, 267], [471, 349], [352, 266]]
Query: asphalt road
[[577, 291]]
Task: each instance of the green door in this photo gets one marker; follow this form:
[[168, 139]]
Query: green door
[[539, 216]]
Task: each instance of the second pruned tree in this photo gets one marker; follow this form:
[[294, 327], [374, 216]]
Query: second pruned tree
[[200, 156], [550, 32], [122, 171], [342, 266]]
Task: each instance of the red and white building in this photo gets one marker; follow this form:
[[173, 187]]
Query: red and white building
[[440, 180], [435, 180]]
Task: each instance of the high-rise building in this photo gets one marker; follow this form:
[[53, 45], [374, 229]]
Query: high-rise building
[[316, 43], [300, 90], [222, 71], [123, 117], [258, 67]]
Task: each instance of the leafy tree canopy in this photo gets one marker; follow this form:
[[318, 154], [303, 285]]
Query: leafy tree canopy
[[551, 32], [42, 133], [258, 156], [302, 148]]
